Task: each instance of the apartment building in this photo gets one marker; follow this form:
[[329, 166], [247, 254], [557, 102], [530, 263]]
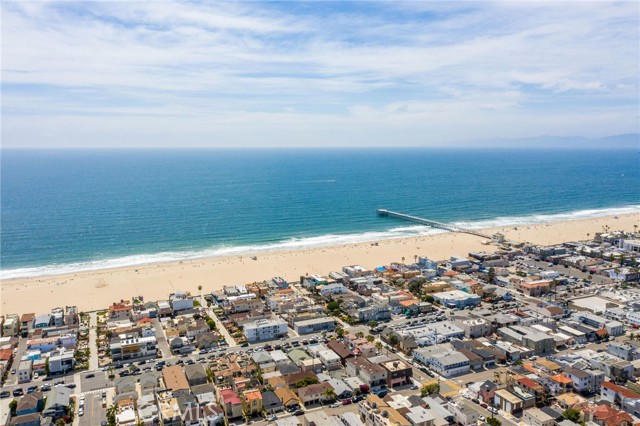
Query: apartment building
[[264, 329]]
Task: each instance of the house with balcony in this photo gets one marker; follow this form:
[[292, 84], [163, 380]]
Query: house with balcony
[[371, 374]]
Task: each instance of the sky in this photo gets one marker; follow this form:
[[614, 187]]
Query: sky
[[330, 74]]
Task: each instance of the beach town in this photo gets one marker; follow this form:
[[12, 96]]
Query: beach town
[[536, 326]]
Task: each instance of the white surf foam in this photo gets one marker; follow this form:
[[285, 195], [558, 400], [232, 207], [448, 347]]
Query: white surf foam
[[302, 243]]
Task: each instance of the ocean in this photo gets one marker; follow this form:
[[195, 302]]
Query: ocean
[[72, 210]]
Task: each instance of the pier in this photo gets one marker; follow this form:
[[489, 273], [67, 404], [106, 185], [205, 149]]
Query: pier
[[431, 223]]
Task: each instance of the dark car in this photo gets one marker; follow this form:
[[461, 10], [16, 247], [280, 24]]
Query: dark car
[[32, 389], [59, 383], [71, 385], [5, 394], [244, 345], [89, 376], [347, 401], [18, 392], [298, 413]]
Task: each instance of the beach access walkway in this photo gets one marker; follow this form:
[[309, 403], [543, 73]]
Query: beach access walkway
[[94, 363], [222, 329]]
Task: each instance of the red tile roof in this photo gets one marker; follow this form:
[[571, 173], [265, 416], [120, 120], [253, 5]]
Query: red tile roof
[[627, 393], [229, 396], [529, 383], [609, 416]]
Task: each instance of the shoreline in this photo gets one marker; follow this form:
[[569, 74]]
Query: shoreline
[[98, 288]]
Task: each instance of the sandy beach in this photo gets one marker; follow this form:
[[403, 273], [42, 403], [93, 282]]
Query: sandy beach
[[97, 289]]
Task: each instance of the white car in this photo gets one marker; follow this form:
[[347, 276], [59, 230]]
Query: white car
[[481, 418], [81, 411], [334, 405], [493, 410]]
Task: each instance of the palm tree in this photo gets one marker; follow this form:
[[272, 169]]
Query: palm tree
[[200, 291], [379, 346], [359, 334], [415, 258], [330, 394], [370, 338]]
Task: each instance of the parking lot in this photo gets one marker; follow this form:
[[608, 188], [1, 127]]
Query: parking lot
[[94, 413]]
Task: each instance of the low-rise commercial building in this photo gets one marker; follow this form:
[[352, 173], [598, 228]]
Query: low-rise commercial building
[[457, 299], [315, 325]]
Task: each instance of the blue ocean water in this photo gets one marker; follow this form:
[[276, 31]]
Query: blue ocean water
[[68, 210]]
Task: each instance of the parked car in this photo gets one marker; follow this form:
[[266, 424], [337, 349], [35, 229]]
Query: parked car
[[18, 392], [5, 394], [347, 401], [334, 405], [32, 389], [493, 410]]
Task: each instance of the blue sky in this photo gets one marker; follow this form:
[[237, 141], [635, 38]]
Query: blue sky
[[215, 74]]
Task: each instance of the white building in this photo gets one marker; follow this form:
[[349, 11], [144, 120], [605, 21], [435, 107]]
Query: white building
[[329, 289], [330, 359], [61, 361], [265, 330], [132, 348], [443, 359], [458, 262], [181, 301], [457, 299], [24, 371]]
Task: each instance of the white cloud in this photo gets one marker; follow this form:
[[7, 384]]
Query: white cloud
[[455, 70]]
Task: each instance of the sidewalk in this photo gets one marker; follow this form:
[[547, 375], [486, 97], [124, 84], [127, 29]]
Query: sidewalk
[[93, 337], [222, 329]]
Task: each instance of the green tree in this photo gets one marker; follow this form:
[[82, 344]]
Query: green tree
[[379, 346], [211, 323], [415, 287], [359, 334], [393, 340], [372, 324], [428, 298], [370, 338], [47, 371], [334, 306], [571, 414], [60, 422], [13, 405], [306, 382], [494, 422], [427, 390], [340, 332], [491, 275]]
